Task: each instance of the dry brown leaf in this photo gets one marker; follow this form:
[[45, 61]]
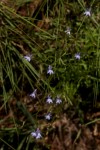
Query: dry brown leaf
[[43, 24], [29, 9], [81, 145], [34, 5], [56, 145], [87, 134], [95, 131]]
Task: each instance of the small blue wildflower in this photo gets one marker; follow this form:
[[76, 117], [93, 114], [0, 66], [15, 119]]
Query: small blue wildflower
[[28, 57], [33, 94], [87, 12], [58, 100], [50, 71], [49, 100], [33, 134], [68, 31], [77, 56], [37, 134], [48, 116]]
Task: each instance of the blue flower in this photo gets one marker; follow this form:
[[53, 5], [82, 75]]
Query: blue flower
[[28, 57], [33, 134], [68, 31], [48, 116], [77, 56], [33, 94], [58, 100], [49, 100], [50, 71], [36, 134], [87, 12]]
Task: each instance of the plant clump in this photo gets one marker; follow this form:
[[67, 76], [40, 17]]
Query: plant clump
[[49, 74]]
